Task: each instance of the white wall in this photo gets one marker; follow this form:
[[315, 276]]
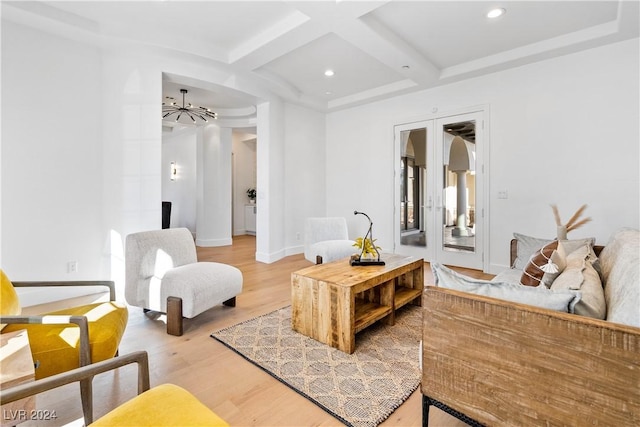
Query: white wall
[[180, 147], [51, 136], [563, 131], [132, 151], [305, 134]]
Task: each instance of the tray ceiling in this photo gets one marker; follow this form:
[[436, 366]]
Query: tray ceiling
[[376, 49]]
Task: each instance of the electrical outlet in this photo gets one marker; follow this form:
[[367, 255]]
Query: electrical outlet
[[72, 267], [503, 194], [297, 236]]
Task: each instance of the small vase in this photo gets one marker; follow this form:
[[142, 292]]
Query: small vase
[[252, 201], [561, 232]]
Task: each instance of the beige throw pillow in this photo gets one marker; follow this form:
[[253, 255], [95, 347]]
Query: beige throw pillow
[[580, 275]]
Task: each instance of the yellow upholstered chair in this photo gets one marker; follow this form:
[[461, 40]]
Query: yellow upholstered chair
[[66, 339], [164, 405]]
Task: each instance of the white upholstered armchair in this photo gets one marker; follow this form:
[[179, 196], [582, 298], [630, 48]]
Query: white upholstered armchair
[[163, 275], [326, 240]]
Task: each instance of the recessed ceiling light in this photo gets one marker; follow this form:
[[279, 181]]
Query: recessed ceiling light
[[329, 73], [495, 13]]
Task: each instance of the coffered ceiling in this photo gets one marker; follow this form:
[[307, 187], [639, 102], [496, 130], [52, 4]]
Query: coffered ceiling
[[376, 49]]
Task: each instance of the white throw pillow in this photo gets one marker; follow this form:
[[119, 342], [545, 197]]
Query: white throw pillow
[[564, 300], [527, 246]]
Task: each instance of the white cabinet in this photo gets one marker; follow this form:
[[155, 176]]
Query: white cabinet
[[250, 218]]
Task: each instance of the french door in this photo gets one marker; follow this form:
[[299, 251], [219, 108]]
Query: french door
[[439, 189]]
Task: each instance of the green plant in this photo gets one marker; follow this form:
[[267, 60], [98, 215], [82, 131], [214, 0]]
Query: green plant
[[369, 246], [251, 192]]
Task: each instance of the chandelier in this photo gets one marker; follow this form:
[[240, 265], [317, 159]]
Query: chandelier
[[190, 110]]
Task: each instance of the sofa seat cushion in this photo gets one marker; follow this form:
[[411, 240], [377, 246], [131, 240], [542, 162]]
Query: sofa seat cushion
[[620, 261], [163, 405], [55, 348], [540, 296]]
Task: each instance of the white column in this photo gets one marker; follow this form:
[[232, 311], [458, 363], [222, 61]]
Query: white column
[[270, 182], [213, 223], [461, 208]]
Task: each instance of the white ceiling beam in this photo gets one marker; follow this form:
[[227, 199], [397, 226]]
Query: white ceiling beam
[[376, 40], [263, 39]]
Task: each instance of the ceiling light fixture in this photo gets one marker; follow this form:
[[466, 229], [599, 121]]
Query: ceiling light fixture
[[189, 109], [495, 13], [329, 73]]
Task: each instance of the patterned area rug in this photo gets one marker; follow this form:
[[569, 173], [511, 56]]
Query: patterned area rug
[[360, 389]]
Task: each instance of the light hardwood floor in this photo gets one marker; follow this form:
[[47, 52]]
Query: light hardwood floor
[[235, 389]]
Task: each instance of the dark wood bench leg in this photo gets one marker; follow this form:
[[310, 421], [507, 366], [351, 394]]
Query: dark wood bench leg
[[428, 401], [318, 259], [425, 411], [174, 316], [231, 302]]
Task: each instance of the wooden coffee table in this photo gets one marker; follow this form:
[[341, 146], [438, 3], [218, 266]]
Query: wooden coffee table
[[334, 301]]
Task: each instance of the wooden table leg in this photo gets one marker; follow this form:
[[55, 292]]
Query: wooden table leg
[[387, 297]]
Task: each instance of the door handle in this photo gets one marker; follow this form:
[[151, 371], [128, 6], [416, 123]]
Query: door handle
[[429, 203]]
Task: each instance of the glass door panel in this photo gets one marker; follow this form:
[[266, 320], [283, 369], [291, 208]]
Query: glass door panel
[[439, 189], [458, 236], [413, 151]]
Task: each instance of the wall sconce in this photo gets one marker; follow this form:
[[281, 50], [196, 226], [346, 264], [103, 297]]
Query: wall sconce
[[174, 171]]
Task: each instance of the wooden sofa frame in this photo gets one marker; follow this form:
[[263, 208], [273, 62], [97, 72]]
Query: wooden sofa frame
[[493, 362]]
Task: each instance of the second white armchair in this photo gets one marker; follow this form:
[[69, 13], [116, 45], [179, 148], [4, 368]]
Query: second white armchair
[[327, 239]]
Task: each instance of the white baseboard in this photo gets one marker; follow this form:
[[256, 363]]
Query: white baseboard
[[268, 258], [213, 242], [294, 250]]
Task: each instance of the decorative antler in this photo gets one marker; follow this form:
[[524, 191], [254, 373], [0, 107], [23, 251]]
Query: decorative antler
[[573, 222], [556, 214], [578, 224]]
